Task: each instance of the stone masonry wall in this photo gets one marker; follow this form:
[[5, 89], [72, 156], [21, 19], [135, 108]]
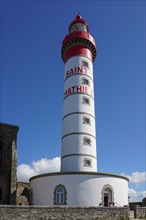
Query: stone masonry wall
[[61, 213], [140, 212], [24, 194], [8, 163]]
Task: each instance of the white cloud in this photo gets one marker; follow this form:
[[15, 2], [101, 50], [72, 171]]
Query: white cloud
[[136, 177], [25, 171], [136, 196]]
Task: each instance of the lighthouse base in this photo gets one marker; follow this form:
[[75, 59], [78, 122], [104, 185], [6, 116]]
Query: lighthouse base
[[80, 189]]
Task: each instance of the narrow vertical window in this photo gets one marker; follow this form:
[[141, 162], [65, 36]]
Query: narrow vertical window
[[87, 162], [86, 141], [86, 120], [85, 63], [85, 100], [60, 195], [85, 81]]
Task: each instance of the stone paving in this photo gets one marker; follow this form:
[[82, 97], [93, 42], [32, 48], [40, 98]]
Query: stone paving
[[131, 216]]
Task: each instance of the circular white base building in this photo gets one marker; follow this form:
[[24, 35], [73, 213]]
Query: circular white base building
[[82, 189]]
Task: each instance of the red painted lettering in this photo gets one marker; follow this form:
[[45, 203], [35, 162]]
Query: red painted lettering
[[84, 70], [86, 90], [75, 70], [71, 71], [69, 91], [79, 88], [80, 69], [73, 89]]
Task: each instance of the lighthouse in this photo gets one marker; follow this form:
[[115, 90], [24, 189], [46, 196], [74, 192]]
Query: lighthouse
[[78, 184], [78, 123]]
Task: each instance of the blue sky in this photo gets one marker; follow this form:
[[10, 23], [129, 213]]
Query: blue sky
[[32, 75]]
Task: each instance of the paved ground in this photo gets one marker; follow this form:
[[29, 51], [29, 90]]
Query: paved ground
[[131, 216]]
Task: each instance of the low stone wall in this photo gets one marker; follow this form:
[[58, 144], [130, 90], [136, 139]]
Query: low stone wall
[[140, 212], [61, 213]]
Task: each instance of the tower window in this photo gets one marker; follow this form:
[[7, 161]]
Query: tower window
[[87, 141], [85, 81], [87, 162], [78, 27], [86, 100], [60, 195], [86, 120], [85, 63]]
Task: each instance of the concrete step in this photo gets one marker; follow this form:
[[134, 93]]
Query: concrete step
[[135, 219], [131, 216]]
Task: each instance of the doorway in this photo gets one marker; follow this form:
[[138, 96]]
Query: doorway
[[107, 197]]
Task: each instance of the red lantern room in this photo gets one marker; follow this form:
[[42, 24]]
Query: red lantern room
[[78, 25], [78, 41]]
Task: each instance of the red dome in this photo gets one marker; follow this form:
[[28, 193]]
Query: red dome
[[78, 20], [78, 16]]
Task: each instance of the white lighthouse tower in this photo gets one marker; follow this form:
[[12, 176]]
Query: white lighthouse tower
[[79, 184], [78, 124]]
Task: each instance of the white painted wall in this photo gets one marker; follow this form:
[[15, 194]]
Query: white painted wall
[[74, 123], [73, 113], [70, 145], [78, 163], [69, 105], [83, 190]]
